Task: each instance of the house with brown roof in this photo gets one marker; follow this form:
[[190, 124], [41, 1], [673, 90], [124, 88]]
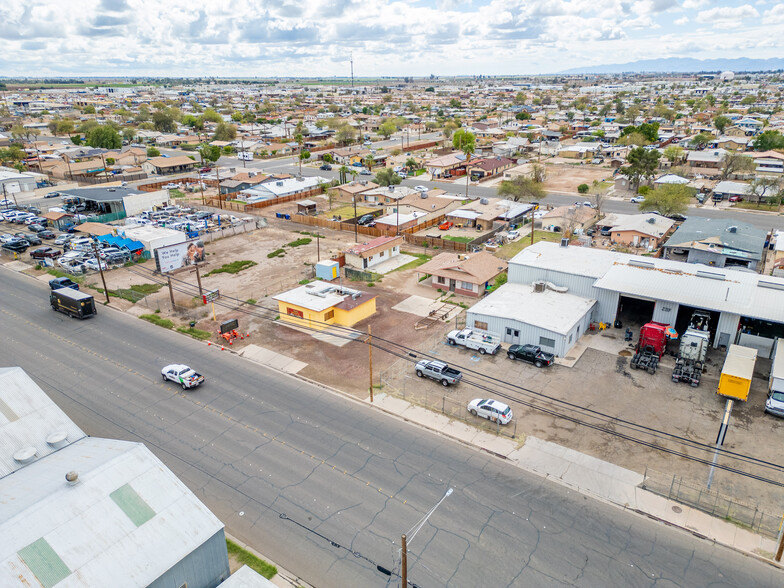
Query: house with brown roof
[[488, 168], [469, 274], [169, 165], [568, 219], [375, 251], [346, 192], [242, 181]]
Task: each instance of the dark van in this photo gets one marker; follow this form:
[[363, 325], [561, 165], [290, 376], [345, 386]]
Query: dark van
[[73, 303]]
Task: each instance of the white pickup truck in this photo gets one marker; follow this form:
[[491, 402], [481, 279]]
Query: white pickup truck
[[470, 340]]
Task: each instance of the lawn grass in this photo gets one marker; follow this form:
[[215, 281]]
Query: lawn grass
[[234, 267], [195, 333], [421, 258], [346, 212], [255, 563], [175, 193], [509, 250], [60, 274], [458, 239], [755, 206], [298, 242], [276, 253], [134, 293], [156, 320]]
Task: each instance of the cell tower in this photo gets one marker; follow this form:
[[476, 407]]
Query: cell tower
[[351, 58]]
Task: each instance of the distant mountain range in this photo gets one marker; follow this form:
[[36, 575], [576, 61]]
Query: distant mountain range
[[682, 65]]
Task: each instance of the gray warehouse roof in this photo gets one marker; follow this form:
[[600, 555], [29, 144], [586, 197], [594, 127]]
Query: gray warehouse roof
[[746, 238], [111, 194]]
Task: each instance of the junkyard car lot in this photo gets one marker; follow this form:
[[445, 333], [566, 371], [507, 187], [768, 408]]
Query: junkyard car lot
[[602, 381]]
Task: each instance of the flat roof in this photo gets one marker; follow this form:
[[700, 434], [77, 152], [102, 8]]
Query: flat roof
[[580, 261], [317, 296], [111, 194], [550, 310]]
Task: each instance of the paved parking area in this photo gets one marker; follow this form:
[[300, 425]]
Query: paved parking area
[[602, 380]]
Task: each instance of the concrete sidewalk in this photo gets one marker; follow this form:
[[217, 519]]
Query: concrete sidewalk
[[589, 475]]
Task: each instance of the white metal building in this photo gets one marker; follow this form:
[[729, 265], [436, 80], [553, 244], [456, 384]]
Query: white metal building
[[537, 314], [746, 308], [121, 518]]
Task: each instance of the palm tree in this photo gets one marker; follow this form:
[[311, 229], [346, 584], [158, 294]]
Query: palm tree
[[466, 142]]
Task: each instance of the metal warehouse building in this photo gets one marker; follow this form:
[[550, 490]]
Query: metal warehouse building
[[120, 518], [745, 307]]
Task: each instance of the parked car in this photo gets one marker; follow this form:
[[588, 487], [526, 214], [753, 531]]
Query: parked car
[[365, 172], [445, 226], [17, 246], [58, 283], [326, 167], [736, 198], [37, 228], [366, 219], [588, 204], [182, 374], [45, 252], [6, 202], [63, 239], [439, 371], [637, 199], [531, 354], [605, 232], [45, 234], [205, 170], [52, 195], [31, 238], [92, 265], [590, 232], [421, 188], [678, 217], [368, 142], [487, 408]]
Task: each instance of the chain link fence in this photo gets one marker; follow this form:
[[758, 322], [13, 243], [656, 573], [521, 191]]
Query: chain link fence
[[698, 496]]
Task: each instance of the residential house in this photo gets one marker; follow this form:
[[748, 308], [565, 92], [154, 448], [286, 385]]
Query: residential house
[[445, 165], [351, 155], [489, 168], [384, 195], [727, 189], [433, 203], [569, 219], [469, 275], [706, 162], [394, 223], [278, 188], [641, 230], [584, 150], [732, 143], [769, 162], [367, 255], [717, 242], [347, 192], [318, 305], [242, 181], [169, 165], [486, 214]]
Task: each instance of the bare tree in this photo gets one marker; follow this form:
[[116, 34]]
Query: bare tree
[[598, 195]]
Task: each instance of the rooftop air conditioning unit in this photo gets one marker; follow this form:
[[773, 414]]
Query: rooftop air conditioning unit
[[484, 201], [279, 183], [732, 229], [423, 195], [564, 242]]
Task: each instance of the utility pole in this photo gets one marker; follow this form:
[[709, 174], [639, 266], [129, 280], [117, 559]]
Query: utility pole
[[105, 171], [198, 279], [100, 268], [356, 226], [318, 246], [370, 357], [171, 292], [404, 563]]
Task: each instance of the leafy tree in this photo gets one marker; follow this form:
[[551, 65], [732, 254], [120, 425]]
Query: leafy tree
[[110, 161], [735, 163], [89, 109], [449, 128], [668, 199], [648, 130], [369, 162], [346, 134], [128, 134], [768, 140], [225, 132], [228, 149], [583, 188], [210, 115], [328, 158], [673, 153], [521, 188], [766, 188], [387, 129], [465, 141], [430, 89], [523, 115], [387, 177], [519, 99], [236, 116], [455, 103], [21, 132], [164, 121], [642, 165], [104, 137], [721, 122], [12, 154], [700, 140], [209, 153], [76, 140], [411, 163], [153, 152], [637, 139]]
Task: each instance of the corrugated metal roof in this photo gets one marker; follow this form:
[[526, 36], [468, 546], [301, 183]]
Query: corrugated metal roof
[[717, 230], [245, 577], [27, 418], [581, 261], [85, 527]]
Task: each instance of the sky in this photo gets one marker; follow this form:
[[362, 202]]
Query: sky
[[316, 38]]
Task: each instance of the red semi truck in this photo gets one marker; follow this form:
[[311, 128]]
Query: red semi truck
[[650, 347]]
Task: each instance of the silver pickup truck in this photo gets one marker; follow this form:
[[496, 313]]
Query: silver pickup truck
[[439, 371]]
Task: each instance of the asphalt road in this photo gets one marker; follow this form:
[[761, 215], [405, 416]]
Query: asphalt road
[[325, 486]]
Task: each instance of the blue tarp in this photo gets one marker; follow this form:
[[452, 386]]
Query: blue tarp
[[121, 242]]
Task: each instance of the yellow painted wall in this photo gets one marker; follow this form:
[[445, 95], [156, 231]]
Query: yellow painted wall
[[349, 318]]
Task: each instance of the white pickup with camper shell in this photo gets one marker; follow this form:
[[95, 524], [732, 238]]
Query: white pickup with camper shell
[[472, 340]]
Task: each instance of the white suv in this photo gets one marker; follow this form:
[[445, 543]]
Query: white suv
[[490, 409]]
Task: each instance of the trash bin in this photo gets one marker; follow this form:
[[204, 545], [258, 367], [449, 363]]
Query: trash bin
[[192, 324]]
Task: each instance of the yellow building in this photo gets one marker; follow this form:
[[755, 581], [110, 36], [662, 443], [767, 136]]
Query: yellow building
[[318, 305]]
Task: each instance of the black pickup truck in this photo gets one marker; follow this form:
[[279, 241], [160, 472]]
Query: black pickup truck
[[532, 354]]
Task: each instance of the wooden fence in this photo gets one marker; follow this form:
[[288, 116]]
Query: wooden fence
[[252, 206], [433, 242]]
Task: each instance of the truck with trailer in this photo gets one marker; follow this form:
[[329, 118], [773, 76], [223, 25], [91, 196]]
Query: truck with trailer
[[471, 340], [738, 370], [650, 347], [73, 303], [692, 350]]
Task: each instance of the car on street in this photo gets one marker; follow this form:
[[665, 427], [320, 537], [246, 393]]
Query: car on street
[[588, 204], [446, 226], [637, 199], [182, 374], [52, 195], [366, 143], [421, 188], [45, 252], [490, 409], [365, 172], [678, 217], [326, 167], [58, 283], [531, 354], [205, 170]]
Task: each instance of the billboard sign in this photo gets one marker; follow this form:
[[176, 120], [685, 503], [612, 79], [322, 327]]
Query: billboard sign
[[228, 326], [173, 257]]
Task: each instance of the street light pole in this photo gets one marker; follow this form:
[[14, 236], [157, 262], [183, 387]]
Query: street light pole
[[412, 533]]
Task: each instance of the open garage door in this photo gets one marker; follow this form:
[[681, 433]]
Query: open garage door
[[760, 335], [684, 316], [634, 312]]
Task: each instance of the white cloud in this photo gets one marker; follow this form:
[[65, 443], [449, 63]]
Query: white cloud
[[775, 15], [682, 21], [728, 13], [694, 4]]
